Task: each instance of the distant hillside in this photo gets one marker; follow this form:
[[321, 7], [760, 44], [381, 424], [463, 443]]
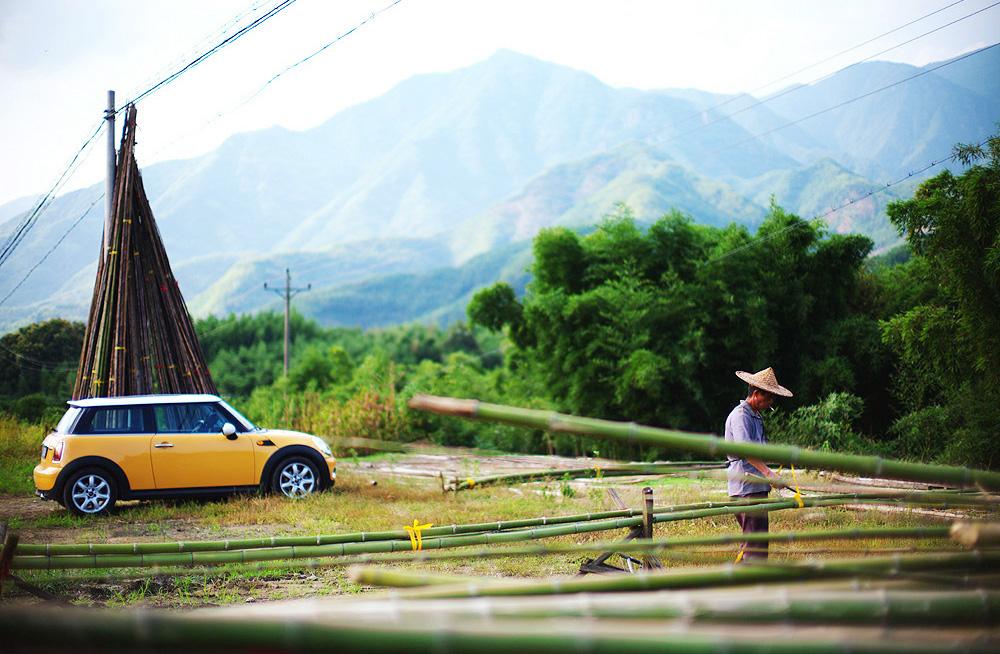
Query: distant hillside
[[449, 166], [438, 296]]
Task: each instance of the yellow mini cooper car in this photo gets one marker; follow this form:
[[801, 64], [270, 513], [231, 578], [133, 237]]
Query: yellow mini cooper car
[[149, 446]]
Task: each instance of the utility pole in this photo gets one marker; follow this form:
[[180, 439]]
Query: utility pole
[[288, 293], [109, 184]]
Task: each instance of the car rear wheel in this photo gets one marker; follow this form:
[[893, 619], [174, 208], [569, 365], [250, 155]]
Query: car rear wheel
[[296, 477], [90, 492]]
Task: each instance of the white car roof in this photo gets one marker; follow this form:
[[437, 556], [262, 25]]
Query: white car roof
[[132, 400]]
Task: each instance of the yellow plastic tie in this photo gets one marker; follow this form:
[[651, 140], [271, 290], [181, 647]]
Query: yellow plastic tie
[[416, 541], [739, 556], [470, 482], [112, 253], [120, 347], [798, 495], [597, 472]]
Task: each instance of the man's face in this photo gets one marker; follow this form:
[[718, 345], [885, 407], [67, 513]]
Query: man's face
[[762, 400]]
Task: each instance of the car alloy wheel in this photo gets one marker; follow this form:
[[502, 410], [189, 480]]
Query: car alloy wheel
[[297, 479], [91, 493]]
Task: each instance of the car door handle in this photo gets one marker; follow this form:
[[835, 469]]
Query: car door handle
[[164, 445]]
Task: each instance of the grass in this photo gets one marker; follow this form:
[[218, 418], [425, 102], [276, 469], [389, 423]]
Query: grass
[[357, 505], [20, 442]]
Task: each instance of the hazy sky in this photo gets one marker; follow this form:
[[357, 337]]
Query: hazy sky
[[59, 57]]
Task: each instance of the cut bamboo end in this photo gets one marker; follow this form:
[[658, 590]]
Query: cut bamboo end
[[446, 406], [976, 534]]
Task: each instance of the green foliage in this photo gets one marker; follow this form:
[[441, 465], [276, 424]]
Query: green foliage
[[946, 341], [648, 326], [39, 360], [826, 425]]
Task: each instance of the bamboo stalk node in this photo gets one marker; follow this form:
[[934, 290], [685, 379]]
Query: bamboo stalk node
[[447, 406], [976, 534]]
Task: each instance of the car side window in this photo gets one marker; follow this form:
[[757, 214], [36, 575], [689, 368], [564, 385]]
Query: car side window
[[188, 418], [112, 420]]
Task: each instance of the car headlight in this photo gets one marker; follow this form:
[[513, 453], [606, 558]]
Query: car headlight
[[322, 446]]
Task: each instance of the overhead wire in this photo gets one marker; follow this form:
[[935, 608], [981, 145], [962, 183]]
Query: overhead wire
[[243, 31], [17, 236], [23, 228], [821, 61], [794, 89], [369, 18], [868, 94], [873, 192], [52, 249], [200, 44]]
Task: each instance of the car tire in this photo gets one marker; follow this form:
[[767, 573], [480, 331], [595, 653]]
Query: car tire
[[296, 477], [91, 491]]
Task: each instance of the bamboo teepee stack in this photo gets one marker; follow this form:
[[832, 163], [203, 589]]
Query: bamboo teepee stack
[[139, 338]]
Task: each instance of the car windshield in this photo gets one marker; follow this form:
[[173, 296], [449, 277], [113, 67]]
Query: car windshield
[[240, 416]]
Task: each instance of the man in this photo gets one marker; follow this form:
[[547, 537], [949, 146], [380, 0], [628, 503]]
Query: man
[[746, 425]]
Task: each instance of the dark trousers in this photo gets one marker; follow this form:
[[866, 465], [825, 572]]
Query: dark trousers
[[753, 522]]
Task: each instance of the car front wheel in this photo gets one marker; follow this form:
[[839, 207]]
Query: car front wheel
[[90, 492], [296, 477]]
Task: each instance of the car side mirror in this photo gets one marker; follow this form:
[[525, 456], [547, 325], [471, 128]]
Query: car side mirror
[[229, 431]]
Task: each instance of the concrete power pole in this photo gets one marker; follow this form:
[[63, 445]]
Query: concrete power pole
[[109, 184], [287, 293]]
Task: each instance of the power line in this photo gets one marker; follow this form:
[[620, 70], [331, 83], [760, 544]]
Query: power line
[[793, 89], [243, 31], [203, 42], [25, 226], [372, 16], [868, 94], [52, 249], [871, 193], [830, 58], [28, 223]]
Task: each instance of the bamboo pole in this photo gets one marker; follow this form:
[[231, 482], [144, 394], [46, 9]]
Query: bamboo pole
[[729, 575], [597, 472], [707, 444], [28, 629], [49, 562], [926, 608]]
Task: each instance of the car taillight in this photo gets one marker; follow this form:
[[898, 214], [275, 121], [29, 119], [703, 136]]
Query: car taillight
[[57, 453]]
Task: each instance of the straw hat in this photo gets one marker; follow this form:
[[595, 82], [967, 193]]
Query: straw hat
[[764, 380]]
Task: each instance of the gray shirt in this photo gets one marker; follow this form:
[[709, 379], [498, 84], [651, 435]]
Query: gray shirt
[[744, 425]]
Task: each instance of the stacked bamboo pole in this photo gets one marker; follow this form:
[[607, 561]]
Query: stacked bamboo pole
[[706, 444], [651, 546], [729, 575], [785, 604], [140, 338], [596, 472]]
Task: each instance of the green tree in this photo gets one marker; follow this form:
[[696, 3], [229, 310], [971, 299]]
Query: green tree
[[950, 364]]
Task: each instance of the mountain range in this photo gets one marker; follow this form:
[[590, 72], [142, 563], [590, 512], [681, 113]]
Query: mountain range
[[399, 208]]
